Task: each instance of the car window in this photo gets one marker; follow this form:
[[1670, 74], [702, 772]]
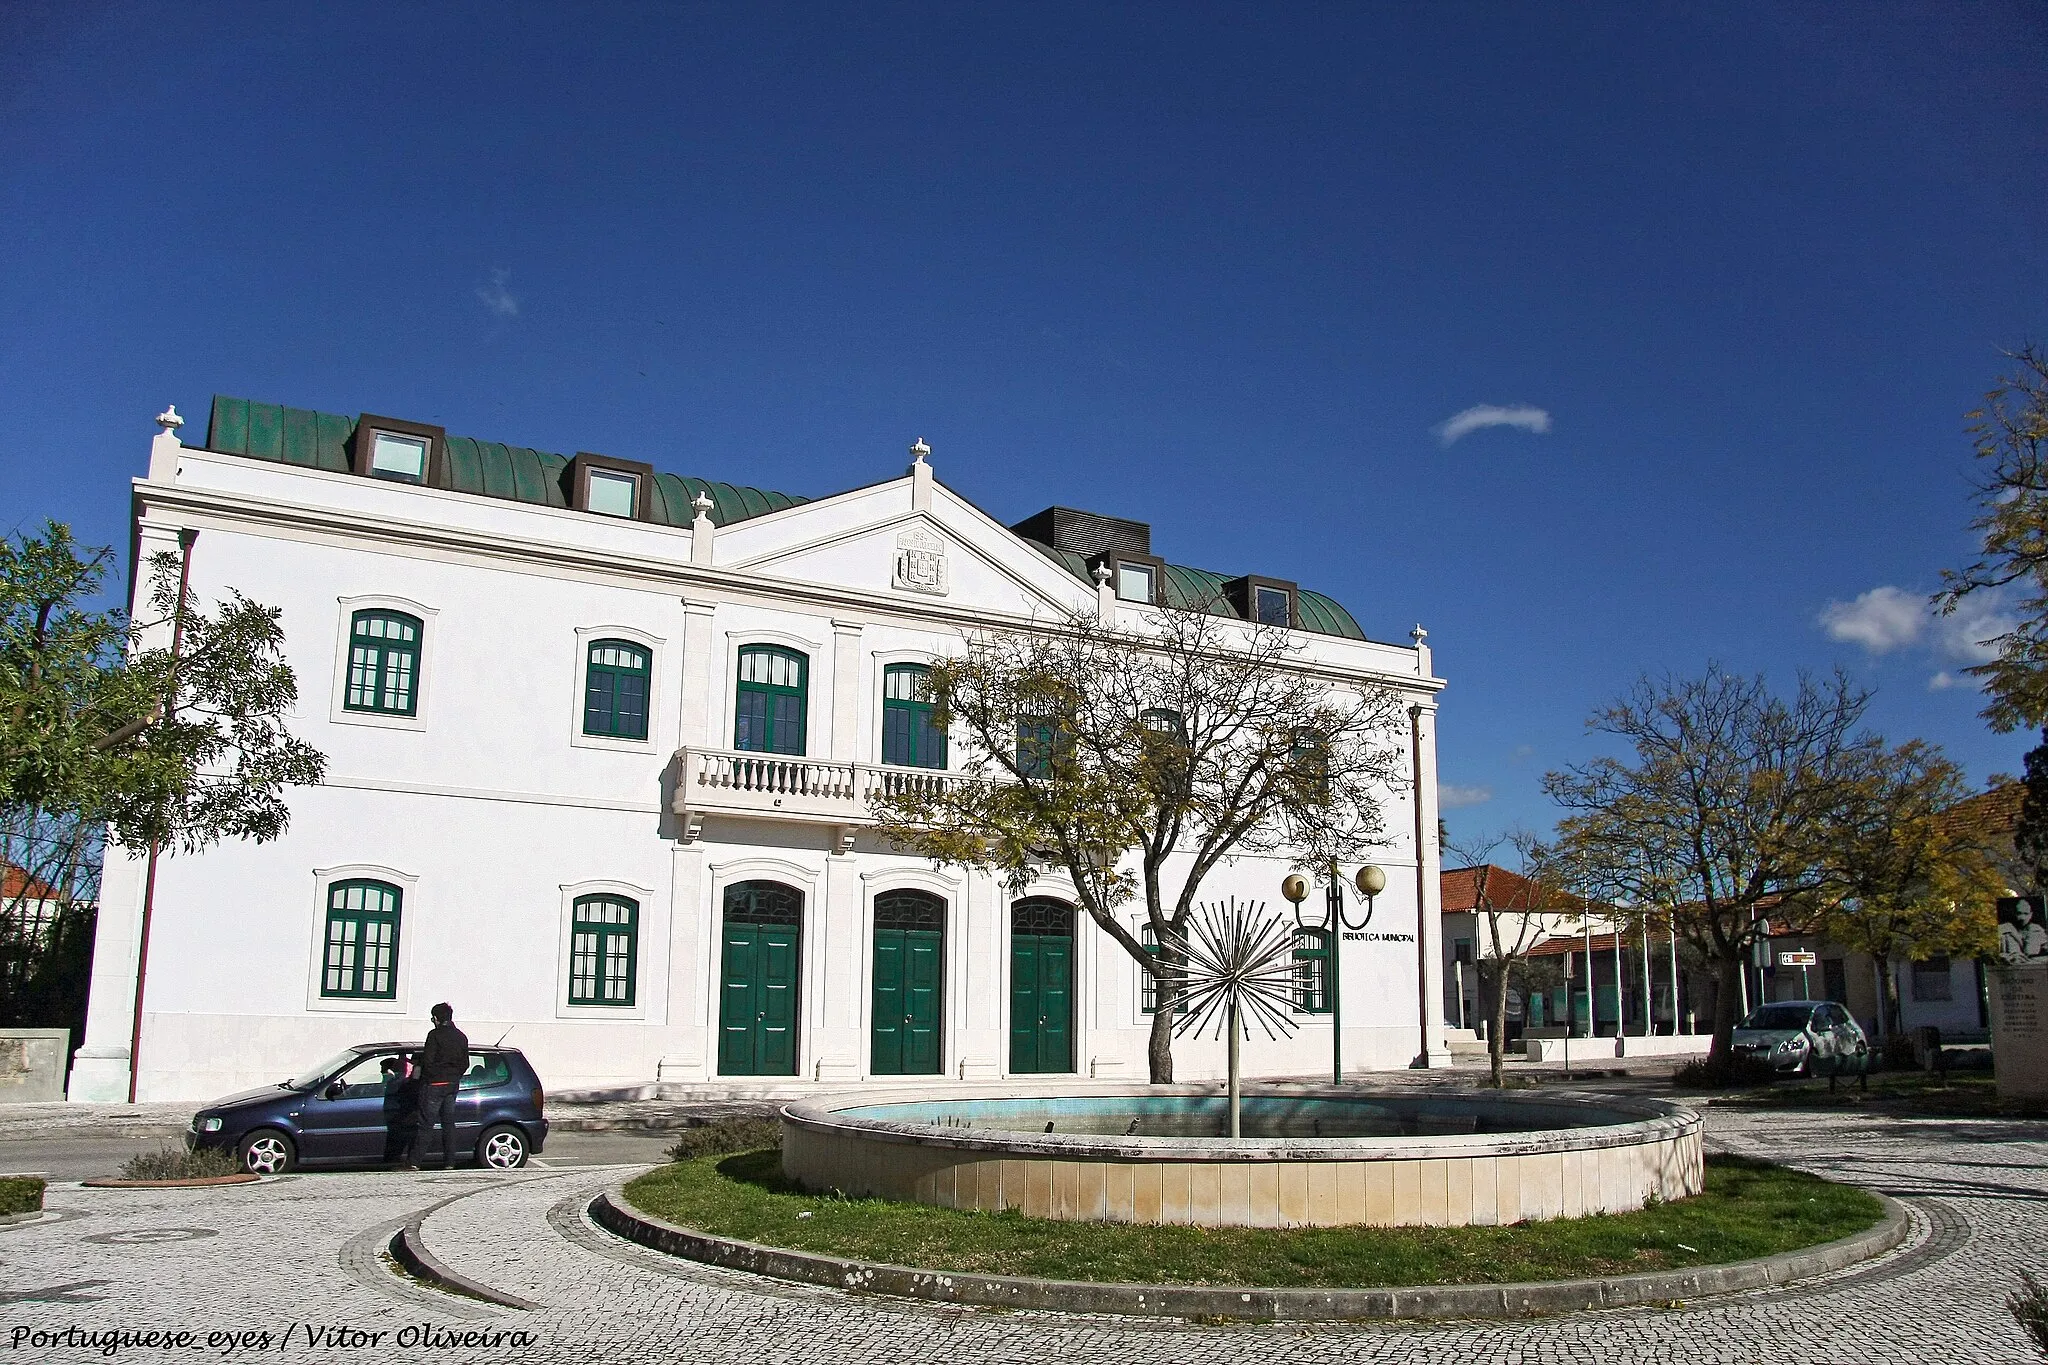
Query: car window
[[487, 1070], [364, 1080], [306, 1080], [1779, 1017]]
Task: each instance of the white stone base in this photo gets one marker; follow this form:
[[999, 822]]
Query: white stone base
[[99, 1075]]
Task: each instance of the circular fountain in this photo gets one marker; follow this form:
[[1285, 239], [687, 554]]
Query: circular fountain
[[1307, 1158]]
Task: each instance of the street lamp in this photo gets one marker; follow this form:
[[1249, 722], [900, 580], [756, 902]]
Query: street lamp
[[1370, 881]]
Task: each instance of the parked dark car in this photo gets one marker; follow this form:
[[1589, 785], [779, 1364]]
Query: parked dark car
[[340, 1112], [1804, 1037]]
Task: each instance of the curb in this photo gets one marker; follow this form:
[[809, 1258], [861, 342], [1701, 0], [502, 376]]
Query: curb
[[409, 1248], [31, 1216], [102, 1182], [611, 1212]]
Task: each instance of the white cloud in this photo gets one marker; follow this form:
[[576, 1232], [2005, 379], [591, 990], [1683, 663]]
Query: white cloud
[[495, 297], [1880, 620], [1450, 796], [1962, 633], [1493, 415], [1943, 681]]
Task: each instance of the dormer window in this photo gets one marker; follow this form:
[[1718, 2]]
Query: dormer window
[[1133, 577], [615, 495], [609, 487], [1134, 583], [403, 458], [1266, 601], [399, 451]]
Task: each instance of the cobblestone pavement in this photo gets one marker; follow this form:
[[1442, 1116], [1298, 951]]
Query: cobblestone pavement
[[300, 1252]]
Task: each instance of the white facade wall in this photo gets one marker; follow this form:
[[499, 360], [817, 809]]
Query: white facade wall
[[492, 811]]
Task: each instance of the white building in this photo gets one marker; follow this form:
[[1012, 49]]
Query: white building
[[599, 742]]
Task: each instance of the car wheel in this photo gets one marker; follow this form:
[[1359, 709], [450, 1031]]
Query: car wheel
[[268, 1152], [502, 1148]]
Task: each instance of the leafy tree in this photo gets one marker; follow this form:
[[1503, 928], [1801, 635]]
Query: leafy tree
[[1920, 881], [1187, 738], [2030, 834], [1516, 911], [1732, 813], [2010, 433], [168, 731]]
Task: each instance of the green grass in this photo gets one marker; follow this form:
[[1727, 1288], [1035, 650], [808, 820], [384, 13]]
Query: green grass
[[1748, 1209], [20, 1194]]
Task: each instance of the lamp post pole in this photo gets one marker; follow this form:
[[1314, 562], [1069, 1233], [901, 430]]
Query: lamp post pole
[[1370, 882]]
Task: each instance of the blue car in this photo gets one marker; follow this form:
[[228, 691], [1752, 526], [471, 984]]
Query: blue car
[[357, 1108]]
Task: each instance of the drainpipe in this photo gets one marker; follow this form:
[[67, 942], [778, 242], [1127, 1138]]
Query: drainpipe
[[185, 539]]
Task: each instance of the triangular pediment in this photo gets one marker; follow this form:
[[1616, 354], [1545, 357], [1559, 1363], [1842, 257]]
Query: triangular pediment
[[874, 540]]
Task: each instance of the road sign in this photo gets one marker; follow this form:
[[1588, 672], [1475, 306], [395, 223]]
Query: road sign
[[1797, 958]]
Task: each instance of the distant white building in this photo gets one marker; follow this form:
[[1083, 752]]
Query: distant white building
[[599, 745]]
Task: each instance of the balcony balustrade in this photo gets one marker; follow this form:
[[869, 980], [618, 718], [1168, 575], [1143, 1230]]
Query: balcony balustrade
[[790, 787]]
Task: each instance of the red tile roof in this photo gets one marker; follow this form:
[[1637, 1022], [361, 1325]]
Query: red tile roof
[[1462, 887], [15, 883]]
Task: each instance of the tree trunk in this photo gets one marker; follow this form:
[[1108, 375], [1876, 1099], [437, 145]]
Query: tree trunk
[[1497, 1030], [1890, 1016], [1728, 1003], [1159, 1048]]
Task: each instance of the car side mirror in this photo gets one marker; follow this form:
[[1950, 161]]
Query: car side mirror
[[333, 1091]]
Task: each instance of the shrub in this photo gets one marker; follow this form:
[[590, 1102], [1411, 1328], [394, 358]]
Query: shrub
[[1733, 1072], [2029, 1303], [725, 1136], [173, 1163], [20, 1194]]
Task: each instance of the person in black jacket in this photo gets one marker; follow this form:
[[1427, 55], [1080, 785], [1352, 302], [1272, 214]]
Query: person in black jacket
[[442, 1063], [401, 1109]]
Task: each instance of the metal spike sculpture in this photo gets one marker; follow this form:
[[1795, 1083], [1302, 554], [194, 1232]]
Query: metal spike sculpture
[[1239, 963]]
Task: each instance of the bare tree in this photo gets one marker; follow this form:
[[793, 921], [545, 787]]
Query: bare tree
[[1517, 909], [1187, 738], [1731, 816]]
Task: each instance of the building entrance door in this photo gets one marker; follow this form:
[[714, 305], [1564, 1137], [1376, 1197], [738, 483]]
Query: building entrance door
[[1041, 986], [910, 941], [760, 957]]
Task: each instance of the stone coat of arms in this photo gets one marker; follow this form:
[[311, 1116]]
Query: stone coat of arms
[[921, 563]]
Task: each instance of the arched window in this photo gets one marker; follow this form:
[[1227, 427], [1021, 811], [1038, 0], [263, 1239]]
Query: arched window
[[910, 910], [763, 903], [909, 738], [615, 690], [770, 701], [362, 940], [603, 950], [383, 663], [1042, 915], [1312, 971]]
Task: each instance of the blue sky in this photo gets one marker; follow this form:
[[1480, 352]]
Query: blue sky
[[1714, 283]]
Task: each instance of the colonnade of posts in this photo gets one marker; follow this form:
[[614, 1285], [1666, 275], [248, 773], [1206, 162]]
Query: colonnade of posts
[[1634, 985]]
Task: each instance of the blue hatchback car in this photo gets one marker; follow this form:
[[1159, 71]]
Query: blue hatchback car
[[356, 1108]]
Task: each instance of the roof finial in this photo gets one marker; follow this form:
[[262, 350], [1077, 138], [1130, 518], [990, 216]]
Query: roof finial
[[1102, 573], [1418, 635], [168, 419], [703, 503], [918, 450]]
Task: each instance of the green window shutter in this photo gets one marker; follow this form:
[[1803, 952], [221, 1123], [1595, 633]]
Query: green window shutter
[[615, 690], [770, 701], [1312, 971], [383, 663], [361, 944], [604, 949], [910, 737]]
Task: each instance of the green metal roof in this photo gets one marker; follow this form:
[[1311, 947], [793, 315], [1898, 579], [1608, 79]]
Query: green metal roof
[[319, 440], [1185, 587]]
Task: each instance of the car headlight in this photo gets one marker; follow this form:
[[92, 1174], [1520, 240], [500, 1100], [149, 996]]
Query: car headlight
[[1793, 1044], [208, 1125]]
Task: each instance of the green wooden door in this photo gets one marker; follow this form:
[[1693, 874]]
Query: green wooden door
[[909, 973], [757, 1007], [1041, 986]]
